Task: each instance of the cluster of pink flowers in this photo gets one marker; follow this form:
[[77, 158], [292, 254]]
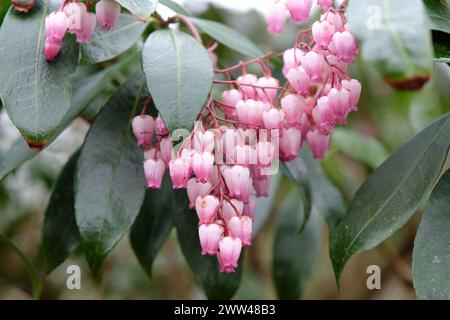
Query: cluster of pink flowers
[[226, 161], [75, 18]]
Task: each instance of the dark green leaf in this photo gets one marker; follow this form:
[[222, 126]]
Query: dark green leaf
[[227, 36], [88, 91], [431, 256], [441, 44], [106, 45], [395, 39], [362, 148], [60, 232], [264, 206], [110, 182], [36, 94], [175, 7], [141, 9], [294, 254], [179, 76], [297, 172], [216, 285], [326, 198], [153, 224], [391, 195], [36, 280], [439, 14]]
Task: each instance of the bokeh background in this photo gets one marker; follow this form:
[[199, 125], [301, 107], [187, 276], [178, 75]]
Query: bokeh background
[[386, 120]]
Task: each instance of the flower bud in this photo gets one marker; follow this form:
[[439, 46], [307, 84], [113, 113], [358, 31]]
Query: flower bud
[[210, 236], [160, 127], [166, 148], [154, 172], [143, 128], [107, 12], [229, 253], [276, 17], [206, 208]]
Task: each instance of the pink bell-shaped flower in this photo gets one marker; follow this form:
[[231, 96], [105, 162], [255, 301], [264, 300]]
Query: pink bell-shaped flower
[[229, 253], [230, 98], [299, 10], [354, 87], [293, 106], [235, 227], [318, 142], [229, 209], [345, 46], [276, 17], [180, 172], [107, 12], [160, 127], [262, 187], [196, 189], [203, 165], [245, 83], [265, 91], [52, 48], [322, 33], [166, 148], [290, 143], [265, 153], [56, 25], [334, 18], [203, 141], [291, 59], [88, 24], [299, 80], [325, 4], [237, 179], [210, 236], [339, 100], [154, 172], [206, 208], [75, 12], [324, 116], [314, 65], [246, 231], [143, 128], [273, 119]]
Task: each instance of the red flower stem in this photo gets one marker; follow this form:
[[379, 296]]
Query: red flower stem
[[244, 63]]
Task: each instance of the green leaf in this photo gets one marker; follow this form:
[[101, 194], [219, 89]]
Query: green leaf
[[362, 148], [392, 194], [439, 14], [179, 76], [326, 198], [294, 254], [60, 232], [106, 45], [400, 47], [153, 224], [441, 44], [141, 9], [36, 94], [19, 152], [110, 184], [175, 7], [36, 280], [431, 255], [297, 172], [227, 36], [265, 205], [216, 285]]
